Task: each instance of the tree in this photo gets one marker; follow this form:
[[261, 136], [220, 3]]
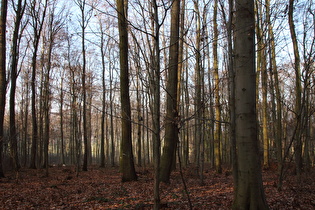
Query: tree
[[171, 120], [55, 24], [298, 91], [38, 13], [275, 81], [84, 22], [217, 131], [199, 106], [3, 20], [249, 189], [20, 8], [126, 156]]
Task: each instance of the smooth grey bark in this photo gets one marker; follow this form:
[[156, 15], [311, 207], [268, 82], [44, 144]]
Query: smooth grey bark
[[249, 191]]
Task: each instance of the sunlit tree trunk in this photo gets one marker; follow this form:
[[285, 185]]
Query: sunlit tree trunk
[[217, 131], [3, 19], [126, 156], [250, 192]]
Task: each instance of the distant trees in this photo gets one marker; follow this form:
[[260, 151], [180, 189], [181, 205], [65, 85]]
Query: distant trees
[[173, 66]]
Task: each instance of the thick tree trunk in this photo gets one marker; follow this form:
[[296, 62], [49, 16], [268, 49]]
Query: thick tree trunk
[[126, 156], [171, 120], [250, 193]]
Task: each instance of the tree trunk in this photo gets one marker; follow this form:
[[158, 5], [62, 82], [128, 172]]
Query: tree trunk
[[250, 193], [274, 72], [171, 119], [217, 131], [61, 123], [262, 69], [298, 91], [126, 156], [38, 22], [14, 74], [3, 20], [103, 100], [155, 78]]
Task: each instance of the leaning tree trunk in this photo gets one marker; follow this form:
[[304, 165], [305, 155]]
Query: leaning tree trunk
[[298, 91]]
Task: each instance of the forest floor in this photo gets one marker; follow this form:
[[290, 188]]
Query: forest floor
[[101, 188]]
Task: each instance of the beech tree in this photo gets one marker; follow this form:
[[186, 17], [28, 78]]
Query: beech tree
[[19, 12], [126, 156], [171, 120], [37, 13], [249, 189], [3, 19]]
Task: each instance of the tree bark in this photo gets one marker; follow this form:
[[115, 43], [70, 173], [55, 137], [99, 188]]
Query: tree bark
[[298, 91], [126, 156], [3, 83], [171, 119], [14, 74], [37, 24], [250, 193], [217, 131]]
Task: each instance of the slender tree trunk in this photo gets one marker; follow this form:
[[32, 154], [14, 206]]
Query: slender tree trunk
[[274, 72], [14, 74], [262, 70], [298, 91], [199, 106], [217, 131], [37, 25], [103, 100], [155, 91], [3, 20], [250, 192], [61, 123]]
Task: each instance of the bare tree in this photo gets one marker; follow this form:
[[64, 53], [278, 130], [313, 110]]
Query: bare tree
[[38, 14], [171, 120], [3, 19], [249, 190], [19, 12], [126, 155]]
